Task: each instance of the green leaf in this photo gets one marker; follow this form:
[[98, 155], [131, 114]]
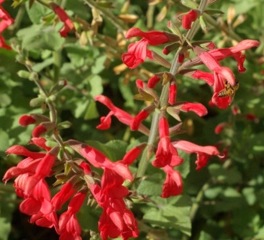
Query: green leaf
[[184, 168], [40, 66], [7, 205], [36, 12], [4, 140], [95, 82], [116, 149], [150, 186], [91, 110], [5, 100], [171, 214], [99, 65], [213, 192], [37, 37]]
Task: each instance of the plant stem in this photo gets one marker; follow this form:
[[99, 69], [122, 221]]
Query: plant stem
[[165, 91], [112, 18]]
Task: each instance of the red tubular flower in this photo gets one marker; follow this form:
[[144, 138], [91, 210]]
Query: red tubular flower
[[69, 227], [5, 19], [63, 16], [141, 116], [206, 76], [120, 114], [153, 81], [99, 160], [214, 66], [189, 18], [116, 220], [131, 155], [138, 52], [40, 142], [65, 193], [39, 207], [26, 120], [203, 152], [235, 52], [197, 108], [172, 93], [153, 37], [220, 127], [166, 154], [173, 184]]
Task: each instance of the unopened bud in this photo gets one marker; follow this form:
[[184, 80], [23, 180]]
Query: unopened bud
[[23, 74], [35, 102]]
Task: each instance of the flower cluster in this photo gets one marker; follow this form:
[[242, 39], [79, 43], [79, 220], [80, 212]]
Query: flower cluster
[[31, 176]]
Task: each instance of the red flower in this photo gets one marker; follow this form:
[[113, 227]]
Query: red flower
[[173, 183], [5, 18], [69, 227], [197, 108], [63, 16], [120, 114], [166, 154], [235, 52], [99, 160], [116, 220], [172, 93], [153, 37], [138, 52], [141, 116], [203, 152], [26, 120], [39, 207], [66, 191], [220, 127], [206, 76], [211, 62], [189, 18]]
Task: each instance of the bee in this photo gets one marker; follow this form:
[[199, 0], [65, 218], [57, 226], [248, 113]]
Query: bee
[[229, 90]]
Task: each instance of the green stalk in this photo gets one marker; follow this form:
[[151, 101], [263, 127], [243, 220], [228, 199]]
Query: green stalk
[[164, 95]]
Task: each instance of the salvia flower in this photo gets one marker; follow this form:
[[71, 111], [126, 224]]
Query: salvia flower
[[203, 152], [138, 51]]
